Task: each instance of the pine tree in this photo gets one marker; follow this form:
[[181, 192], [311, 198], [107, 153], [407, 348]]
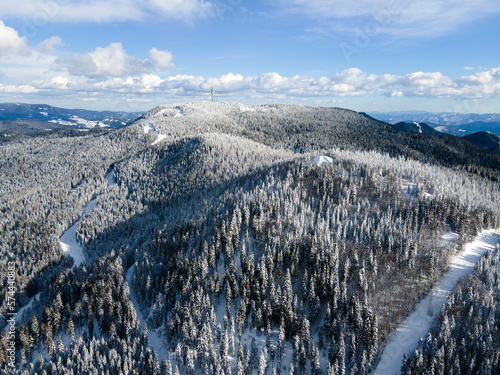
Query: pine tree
[[263, 364]]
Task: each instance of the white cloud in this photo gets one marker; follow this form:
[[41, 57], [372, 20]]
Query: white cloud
[[138, 100], [114, 61], [49, 44], [349, 83], [400, 18], [162, 60], [11, 44], [182, 9], [44, 11], [22, 89]]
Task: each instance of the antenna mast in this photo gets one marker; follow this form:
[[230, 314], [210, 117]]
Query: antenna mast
[[213, 92]]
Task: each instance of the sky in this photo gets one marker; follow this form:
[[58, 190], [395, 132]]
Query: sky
[[366, 55]]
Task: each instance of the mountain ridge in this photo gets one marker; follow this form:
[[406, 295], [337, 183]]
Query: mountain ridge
[[454, 123], [80, 118]]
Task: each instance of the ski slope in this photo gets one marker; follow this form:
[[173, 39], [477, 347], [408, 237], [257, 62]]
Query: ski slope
[[68, 241], [418, 323]]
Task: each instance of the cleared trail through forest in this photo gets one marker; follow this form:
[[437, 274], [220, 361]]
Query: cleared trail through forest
[[68, 240], [405, 338], [154, 340]]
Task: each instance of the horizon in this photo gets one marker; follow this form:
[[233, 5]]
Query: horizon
[[377, 56], [256, 104]]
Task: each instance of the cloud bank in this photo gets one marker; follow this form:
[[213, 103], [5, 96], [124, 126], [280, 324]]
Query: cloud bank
[[114, 61], [348, 83]]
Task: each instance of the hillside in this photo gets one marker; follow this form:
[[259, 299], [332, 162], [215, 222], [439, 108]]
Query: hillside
[[458, 124], [78, 118], [416, 127], [485, 140], [224, 238]]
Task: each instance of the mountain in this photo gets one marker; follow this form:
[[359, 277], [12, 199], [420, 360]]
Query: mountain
[[485, 140], [458, 124], [79, 118], [224, 238], [471, 128], [416, 127]]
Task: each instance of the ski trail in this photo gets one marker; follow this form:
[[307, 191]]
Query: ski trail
[[405, 338], [20, 312], [154, 340], [110, 178], [71, 246], [68, 241]]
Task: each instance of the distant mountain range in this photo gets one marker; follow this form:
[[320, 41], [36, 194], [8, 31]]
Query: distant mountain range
[[483, 139], [459, 124], [79, 118]]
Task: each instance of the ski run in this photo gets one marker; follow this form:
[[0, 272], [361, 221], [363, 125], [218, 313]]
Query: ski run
[[405, 338]]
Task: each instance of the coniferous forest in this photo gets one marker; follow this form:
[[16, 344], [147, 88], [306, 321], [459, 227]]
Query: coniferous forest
[[217, 238]]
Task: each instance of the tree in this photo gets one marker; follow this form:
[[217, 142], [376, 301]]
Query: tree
[[263, 364]]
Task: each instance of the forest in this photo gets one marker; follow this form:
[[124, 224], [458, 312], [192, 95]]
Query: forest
[[224, 247]]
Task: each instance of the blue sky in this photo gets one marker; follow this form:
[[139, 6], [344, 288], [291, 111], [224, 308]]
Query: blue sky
[[435, 55]]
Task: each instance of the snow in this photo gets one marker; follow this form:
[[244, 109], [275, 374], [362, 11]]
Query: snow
[[110, 178], [178, 112], [21, 311], [44, 114], [323, 160], [418, 126], [409, 187], [70, 245], [68, 241], [245, 108], [160, 138], [418, 323], [154, 340], [148, 128], [87, 123]]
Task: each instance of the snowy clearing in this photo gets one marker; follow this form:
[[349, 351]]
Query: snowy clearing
[[71, 247], [405, 338], [160, 138], [110, 178], [177, 112], [153, 338], [323, 160], [148, 128]]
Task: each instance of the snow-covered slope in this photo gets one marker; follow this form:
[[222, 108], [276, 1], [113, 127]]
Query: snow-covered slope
[[79, 118], [417, 325], [68, 241]]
